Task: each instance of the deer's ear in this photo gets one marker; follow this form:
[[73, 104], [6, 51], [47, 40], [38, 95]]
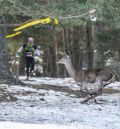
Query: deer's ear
[[65, 53]]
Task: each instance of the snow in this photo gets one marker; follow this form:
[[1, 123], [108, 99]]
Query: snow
[[48, 109], [10, 125], [53, 81]]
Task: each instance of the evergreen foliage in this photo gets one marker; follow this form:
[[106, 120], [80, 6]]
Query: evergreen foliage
[[73, 15]]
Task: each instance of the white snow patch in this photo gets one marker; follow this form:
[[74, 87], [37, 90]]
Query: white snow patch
[[11, 125], [52, 81], [41, 109]]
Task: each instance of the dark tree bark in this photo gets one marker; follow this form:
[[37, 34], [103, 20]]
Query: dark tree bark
[[56, 56], [99, 57], [52, 60], [5, 74], [44, 63], [89, 46], [65, 38], [65, 46], [76, 43]]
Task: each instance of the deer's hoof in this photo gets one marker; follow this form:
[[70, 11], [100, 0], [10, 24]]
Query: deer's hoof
[[83, 102]]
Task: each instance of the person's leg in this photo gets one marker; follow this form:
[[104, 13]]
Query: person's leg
[[32, 64], [27, 67]]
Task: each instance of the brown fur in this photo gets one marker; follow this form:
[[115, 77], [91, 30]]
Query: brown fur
[[103, 77], [91, 75]]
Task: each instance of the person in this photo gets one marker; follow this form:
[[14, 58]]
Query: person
[[29, 50]]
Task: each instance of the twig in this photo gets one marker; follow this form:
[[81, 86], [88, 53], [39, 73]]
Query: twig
[[77, 16]]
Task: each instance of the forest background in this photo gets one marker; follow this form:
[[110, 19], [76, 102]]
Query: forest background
[[91, 38]]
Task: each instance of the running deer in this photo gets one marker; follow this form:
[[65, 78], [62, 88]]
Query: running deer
[[82, 77]]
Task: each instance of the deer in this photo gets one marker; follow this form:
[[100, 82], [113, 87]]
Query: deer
[[101, 76]]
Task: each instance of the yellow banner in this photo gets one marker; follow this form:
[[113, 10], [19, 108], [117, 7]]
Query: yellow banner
[[12, 35], [42, 21]]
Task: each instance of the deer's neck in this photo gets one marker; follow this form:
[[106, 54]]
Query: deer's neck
[[71, 70]]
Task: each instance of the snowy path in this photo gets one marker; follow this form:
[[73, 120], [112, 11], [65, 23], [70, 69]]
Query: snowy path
[[41, 109]]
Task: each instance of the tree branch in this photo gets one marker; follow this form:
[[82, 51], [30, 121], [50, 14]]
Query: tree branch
[[78, 16]]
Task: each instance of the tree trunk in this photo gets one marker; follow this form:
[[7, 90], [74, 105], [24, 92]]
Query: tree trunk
[[65, 45], [56, 55], [46, 62], [99, 58], [89, 46], [5, 74], [52, 60], [77, 39]]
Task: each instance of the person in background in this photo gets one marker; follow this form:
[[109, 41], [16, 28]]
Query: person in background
[[29, 50]]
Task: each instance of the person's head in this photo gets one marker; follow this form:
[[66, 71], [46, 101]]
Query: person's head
[[30, 40]]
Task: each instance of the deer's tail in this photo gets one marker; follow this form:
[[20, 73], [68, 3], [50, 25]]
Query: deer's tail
[[112, 79]]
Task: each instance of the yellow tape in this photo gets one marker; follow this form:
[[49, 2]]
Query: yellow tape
[[56, 21], [42, 21], [12, 35]]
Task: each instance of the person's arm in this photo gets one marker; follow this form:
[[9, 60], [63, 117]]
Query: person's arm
[[35, 47]]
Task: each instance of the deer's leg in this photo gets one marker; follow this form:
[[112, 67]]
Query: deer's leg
[[101, 86], [97, 93], [83, 90], [93, 95], [82, 93], [96, 102], [100, 89], [79, 84], [88, 99]]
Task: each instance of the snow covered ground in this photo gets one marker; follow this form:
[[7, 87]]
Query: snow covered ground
[[48, 109]]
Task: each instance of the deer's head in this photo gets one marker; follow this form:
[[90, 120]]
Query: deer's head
[[64, 60]]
